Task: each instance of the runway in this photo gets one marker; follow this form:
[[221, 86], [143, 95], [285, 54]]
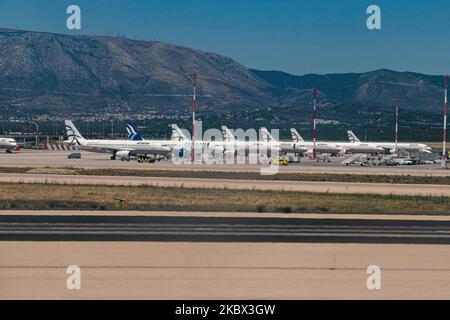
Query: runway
[[305, 186], [208, 255], [221, 229], [222, 256], [38, 158], [209, 270]]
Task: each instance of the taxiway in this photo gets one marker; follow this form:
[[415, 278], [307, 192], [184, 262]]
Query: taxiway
[[89, 160]]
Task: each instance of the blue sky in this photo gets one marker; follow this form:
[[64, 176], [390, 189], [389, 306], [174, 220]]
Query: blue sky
[[299, 37]]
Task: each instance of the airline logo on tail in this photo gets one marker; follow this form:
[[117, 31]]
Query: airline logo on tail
[[227, 135], [73, 135], [266, 136], [177, 134], [133, 134], [296, 137], [352, 137]]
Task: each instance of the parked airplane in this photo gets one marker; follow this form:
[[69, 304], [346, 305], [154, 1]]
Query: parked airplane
[[179, 143], [389, 147], [213, 147], [298, 144], [232, 146], [356, 147], [266, 144], [8, 144], [122, 149]]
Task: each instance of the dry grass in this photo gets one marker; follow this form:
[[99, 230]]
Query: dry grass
[[52, 196]]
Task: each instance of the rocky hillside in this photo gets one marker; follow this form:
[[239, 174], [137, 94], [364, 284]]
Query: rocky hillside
[[380, 87], [59, 74], [52, 72]]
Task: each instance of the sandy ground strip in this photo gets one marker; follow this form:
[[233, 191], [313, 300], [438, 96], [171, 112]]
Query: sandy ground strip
[[132, 213], [306, 186], [159, 270], [90, 160]]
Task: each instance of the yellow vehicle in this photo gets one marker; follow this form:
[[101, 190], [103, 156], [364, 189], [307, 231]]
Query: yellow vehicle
[[281, 162], [145, 159]]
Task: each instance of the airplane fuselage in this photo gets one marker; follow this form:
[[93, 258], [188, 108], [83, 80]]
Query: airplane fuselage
[[8, 144]]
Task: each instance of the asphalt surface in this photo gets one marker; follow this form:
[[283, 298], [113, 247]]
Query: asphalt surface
[[221, 229]]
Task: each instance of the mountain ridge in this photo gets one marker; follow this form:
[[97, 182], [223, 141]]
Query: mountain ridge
[[52, 73]]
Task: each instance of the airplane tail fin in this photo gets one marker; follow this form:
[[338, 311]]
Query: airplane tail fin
[[296, 136], [73, 135], [178, 134], [133, 134], [352, 137], [266, 136], [227, 134]]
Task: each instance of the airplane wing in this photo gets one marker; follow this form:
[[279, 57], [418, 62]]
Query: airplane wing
[[97, 149]]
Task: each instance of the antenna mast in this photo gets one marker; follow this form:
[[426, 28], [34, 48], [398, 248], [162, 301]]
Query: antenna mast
[[194, 107], [444, 142], [314, 124]]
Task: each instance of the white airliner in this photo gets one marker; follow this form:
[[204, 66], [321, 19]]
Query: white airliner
[[8, 144], [266, 144], [212, 147], [122, 149], [180, 144], [298, 144], [389, 147], [344, 147]]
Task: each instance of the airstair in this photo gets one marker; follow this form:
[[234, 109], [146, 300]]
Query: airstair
[[354, 158], [387, 158]]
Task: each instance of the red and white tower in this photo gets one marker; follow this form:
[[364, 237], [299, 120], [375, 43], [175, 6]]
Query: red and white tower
[[396, 126], [444, 142], [314, 124], [194, 107]]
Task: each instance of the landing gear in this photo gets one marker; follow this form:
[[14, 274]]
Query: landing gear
[[8, 151]]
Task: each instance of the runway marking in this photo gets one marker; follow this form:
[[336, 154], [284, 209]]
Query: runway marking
[[228, 268], [214, 229]]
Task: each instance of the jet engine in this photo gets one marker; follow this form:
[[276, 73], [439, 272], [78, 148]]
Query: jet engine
[[180, 153], [230, 153], [123, 155]]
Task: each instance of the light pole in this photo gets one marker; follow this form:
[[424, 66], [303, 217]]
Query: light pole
[[444, 142], [314, 123], [396, 126], [194, 107]]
